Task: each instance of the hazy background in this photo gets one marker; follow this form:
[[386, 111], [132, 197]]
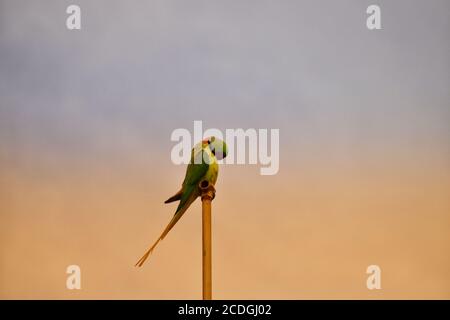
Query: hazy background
[[364, 119]]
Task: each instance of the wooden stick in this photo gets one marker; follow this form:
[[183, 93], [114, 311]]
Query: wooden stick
[[207, 194]]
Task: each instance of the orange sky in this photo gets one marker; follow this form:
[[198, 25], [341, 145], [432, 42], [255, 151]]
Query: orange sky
[[307, 233]]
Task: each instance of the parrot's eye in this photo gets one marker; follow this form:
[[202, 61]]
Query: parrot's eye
[[209, 142]]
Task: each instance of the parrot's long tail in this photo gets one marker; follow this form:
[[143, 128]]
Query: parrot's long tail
[[169, 227], [172, 222]]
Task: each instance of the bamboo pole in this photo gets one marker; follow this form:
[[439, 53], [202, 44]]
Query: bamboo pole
[[207, 195]]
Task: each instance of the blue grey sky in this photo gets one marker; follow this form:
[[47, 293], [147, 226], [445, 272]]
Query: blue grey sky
[[137, 70]]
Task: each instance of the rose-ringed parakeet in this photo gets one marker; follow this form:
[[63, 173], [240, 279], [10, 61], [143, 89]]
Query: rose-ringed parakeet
[[202, 166]]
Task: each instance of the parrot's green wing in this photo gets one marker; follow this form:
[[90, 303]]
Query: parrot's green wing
[[195, 171]]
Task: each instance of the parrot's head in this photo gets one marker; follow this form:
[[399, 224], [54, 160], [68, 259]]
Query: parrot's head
[[218, 147]]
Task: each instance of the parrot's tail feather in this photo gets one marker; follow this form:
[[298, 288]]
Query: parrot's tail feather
[[147, 254], [175, 197], [169, 227]]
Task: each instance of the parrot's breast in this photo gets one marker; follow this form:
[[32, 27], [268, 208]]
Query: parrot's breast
[[212, 173]]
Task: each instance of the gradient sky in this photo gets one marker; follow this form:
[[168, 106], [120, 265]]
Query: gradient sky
[[85, 124]]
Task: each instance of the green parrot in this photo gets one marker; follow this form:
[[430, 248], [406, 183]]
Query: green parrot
[[202, 166]]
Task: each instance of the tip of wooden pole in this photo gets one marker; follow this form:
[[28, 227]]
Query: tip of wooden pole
[[207, 190], [204, 184]]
